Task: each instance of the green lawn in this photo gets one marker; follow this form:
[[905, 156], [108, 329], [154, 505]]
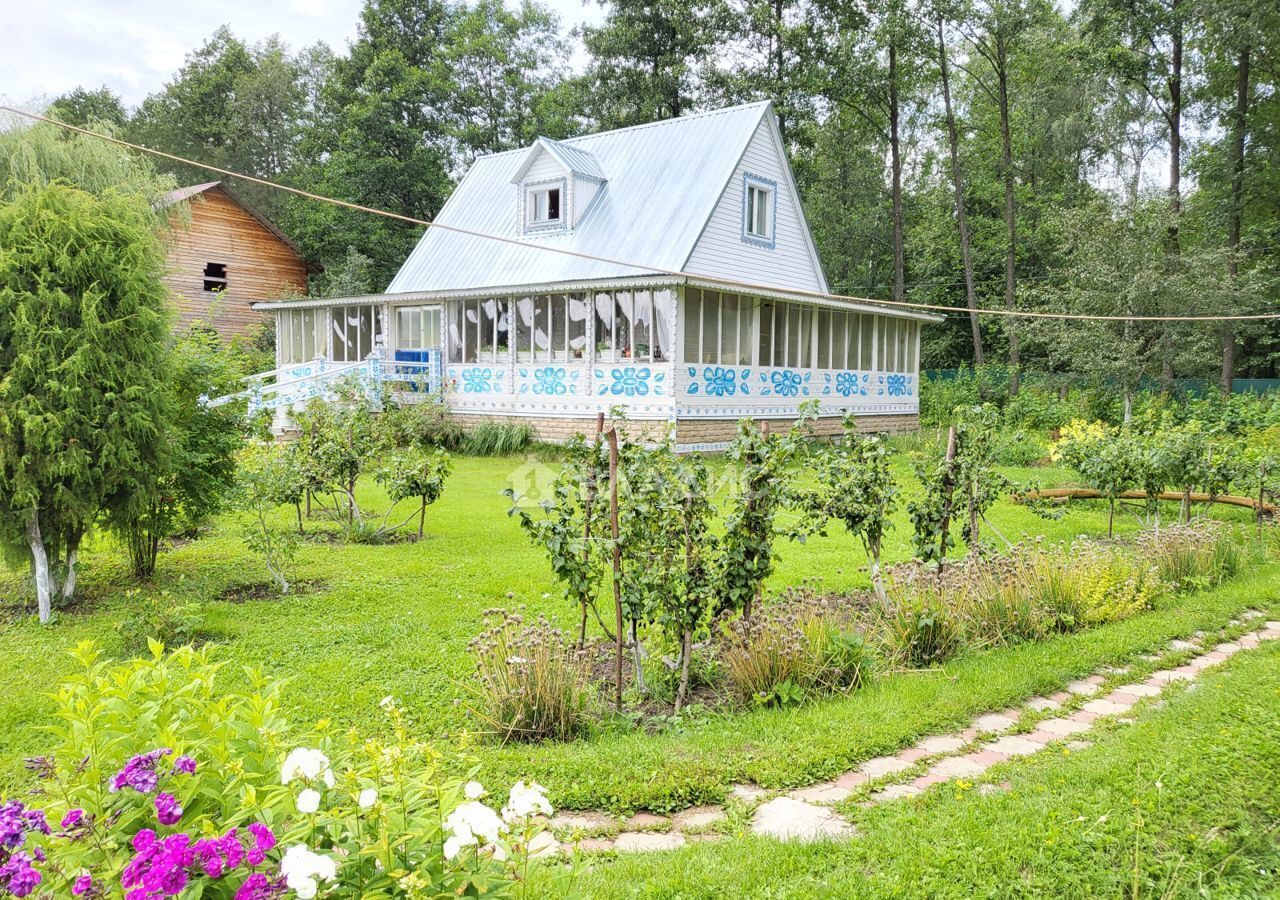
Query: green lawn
[[1184, 803], [395, 620]]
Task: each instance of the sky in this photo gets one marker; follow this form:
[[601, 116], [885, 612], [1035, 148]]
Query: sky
[[135, 46]]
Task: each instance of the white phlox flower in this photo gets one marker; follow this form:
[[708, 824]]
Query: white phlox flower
[[306, 763], [308, 801], [367, 798], [303, 870], [474, 790], [526, 800], [471, 823]]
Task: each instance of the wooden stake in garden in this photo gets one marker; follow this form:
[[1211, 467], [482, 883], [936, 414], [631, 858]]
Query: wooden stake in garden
[[588, 504], [948, 492], [617, 565]]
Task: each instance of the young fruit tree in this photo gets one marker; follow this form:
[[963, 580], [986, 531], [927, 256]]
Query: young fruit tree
[[856, 487], [195, 476], [572, 527], [765, 464], [84, 405], [268, 476]]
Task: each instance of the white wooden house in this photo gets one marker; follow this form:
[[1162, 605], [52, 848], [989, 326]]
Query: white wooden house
[[519, 333]]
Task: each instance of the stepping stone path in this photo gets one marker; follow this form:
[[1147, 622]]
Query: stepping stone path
[[805, 814]]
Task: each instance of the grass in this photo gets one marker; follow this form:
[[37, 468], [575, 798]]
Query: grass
[[1184, 803], [395, 619]]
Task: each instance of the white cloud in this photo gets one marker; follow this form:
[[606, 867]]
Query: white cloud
[[134, 46]]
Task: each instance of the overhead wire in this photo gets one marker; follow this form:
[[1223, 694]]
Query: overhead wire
[[640, 267]]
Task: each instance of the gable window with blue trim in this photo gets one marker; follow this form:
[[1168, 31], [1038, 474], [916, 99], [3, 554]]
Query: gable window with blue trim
[[759, 211]]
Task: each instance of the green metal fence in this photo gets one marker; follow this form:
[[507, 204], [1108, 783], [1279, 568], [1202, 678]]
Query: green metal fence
[[1197, 387]]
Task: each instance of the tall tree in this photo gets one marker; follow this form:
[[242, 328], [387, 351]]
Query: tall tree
[[995, 34], [83, 107], [1145, 43], [942, 15], [776, 50], [880, 52], [381, 137], [505, 63], [649, 57]]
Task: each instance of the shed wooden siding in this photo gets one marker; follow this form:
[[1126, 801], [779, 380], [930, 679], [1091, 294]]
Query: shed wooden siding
[[721, 250], [260, 266]]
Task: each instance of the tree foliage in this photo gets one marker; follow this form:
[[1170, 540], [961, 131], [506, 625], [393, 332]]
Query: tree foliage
[[84, 405]]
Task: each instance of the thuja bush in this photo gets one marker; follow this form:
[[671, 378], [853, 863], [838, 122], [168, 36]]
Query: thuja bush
[[532, 683], [160, 783]]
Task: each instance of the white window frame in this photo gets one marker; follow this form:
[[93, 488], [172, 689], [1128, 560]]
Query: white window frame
[[542, 189], [759, 226]]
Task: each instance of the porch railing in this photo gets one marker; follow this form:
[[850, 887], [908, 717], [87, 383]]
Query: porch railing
[[294, 385]]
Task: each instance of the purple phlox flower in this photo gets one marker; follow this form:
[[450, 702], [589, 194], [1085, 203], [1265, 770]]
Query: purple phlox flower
[[160, 867], [264, 841], [184, 765], [140, 773], [16, 821], [84, 885], [217, 856], [168, 810], [18, 876], [72, 819], [259, 887], [39, 855], [41, 766]]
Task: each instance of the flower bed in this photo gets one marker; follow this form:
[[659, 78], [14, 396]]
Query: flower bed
[[161, 784]]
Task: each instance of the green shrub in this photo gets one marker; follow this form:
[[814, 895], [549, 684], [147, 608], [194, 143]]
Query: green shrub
[[532, 684], [1115, 585], [919, 627], [423, 425], [1019, 447], [841, 660], [797, 647], [169, 618], [1197, 555], [498, 438]]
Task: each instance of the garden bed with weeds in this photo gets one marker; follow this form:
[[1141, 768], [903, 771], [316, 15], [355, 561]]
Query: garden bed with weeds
[[985, 632], [536, 683]]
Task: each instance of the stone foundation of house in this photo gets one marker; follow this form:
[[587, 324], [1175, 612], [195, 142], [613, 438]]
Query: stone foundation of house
[[689, 432]]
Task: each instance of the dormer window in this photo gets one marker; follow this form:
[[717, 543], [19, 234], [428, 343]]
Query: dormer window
[[759, 214], [545, 206]]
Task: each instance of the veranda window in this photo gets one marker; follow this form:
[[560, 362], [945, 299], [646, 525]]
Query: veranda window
[[417, 327], [355, 331], [301, 335], [554, 328]]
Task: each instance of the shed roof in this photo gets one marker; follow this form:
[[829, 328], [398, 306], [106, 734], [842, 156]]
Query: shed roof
[[663, 182]]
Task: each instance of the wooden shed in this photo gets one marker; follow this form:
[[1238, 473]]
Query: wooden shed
[[227, 257]]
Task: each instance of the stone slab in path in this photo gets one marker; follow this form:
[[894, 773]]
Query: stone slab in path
[[645, 841], [822, 792], [1012, 745], [789, 819], [697, 817], [880, 766]]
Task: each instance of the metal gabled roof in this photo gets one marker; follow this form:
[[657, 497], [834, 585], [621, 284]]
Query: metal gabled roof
[[576, 160], [664, 180]]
